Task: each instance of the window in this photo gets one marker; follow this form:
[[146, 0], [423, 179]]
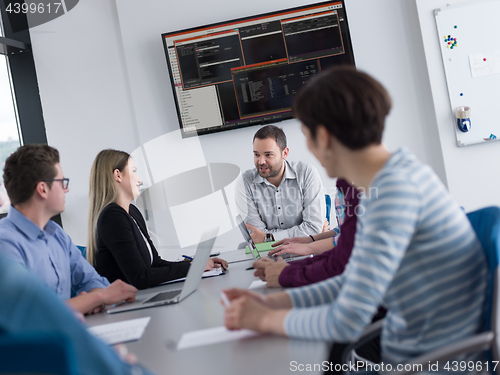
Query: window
[[9, 134], [21, 119]]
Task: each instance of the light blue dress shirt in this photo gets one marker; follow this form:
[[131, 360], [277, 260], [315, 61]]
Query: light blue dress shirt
[[49, 253]]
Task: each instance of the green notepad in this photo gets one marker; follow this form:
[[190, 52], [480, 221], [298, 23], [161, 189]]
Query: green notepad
[[264, 246]]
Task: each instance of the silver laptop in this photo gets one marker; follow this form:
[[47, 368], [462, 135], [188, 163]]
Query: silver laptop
[[253, 248], [193, 279]]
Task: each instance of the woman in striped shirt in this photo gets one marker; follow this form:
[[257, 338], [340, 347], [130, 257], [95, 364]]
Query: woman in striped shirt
[[415, 252]]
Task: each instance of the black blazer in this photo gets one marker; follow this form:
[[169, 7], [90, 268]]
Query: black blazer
[[123, 254]]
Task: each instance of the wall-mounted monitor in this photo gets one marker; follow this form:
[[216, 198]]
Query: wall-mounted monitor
[[246, 71]]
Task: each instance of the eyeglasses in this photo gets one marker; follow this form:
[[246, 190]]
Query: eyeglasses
[[64, 181]]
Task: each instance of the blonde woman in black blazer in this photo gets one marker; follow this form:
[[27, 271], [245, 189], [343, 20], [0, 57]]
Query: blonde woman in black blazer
[[119, 245]]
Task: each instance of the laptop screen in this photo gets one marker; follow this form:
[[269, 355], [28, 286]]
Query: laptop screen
[[247, 237]]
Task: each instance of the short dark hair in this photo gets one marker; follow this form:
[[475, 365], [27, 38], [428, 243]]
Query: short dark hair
[[271, 131], [26, 167], [350, 104]]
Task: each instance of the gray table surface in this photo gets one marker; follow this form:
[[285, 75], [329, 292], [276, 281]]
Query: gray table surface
[[267, 354]]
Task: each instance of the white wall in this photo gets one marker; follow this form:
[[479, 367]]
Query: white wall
[[104, 83], [473, 178], [85, 96]]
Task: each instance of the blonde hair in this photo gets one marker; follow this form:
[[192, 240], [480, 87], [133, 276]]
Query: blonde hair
[[102, 191]]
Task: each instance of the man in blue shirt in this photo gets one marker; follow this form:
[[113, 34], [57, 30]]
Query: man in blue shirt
[[36, 186]]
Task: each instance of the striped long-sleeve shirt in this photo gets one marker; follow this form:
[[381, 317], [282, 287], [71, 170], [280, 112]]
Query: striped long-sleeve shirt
[[416, 254]]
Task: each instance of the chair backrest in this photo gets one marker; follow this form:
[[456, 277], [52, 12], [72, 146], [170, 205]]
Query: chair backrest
[[486, 224], [37, 353], [328, 207], [83, 250]]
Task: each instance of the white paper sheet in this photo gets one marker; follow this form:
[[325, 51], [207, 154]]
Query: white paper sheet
[[213, 272], [212, 336], [257, 284], [484, 64], [115, 333]]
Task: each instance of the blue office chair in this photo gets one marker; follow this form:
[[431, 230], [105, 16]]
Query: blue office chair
[[37, 353], [83, 250], [328, 207], [486, 224]]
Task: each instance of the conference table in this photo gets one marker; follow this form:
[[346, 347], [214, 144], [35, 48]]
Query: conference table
[[263, 354]]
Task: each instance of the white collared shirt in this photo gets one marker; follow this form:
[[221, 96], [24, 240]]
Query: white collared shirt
[[295, 208]]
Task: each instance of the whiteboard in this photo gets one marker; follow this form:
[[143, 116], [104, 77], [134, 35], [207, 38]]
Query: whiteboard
[[471, 60]]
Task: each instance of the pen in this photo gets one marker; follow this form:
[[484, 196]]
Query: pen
[[249, 268], [187, 257], [224, 299]]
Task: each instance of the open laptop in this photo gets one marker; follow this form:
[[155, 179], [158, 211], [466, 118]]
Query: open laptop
[[253, 248], [193, 279]]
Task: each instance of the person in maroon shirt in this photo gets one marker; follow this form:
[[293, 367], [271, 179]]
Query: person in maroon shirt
[[322, 266]]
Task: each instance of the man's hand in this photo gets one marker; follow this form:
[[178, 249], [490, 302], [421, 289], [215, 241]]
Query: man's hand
[[94, 301], [257, 235], [95, 310], [273, 272], [118, 291]]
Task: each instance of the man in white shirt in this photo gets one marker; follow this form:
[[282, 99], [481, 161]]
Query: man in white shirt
[[279, 198]]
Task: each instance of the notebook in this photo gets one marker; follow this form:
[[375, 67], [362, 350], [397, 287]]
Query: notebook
[[118, 332], [193, 279], [256, 249]]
